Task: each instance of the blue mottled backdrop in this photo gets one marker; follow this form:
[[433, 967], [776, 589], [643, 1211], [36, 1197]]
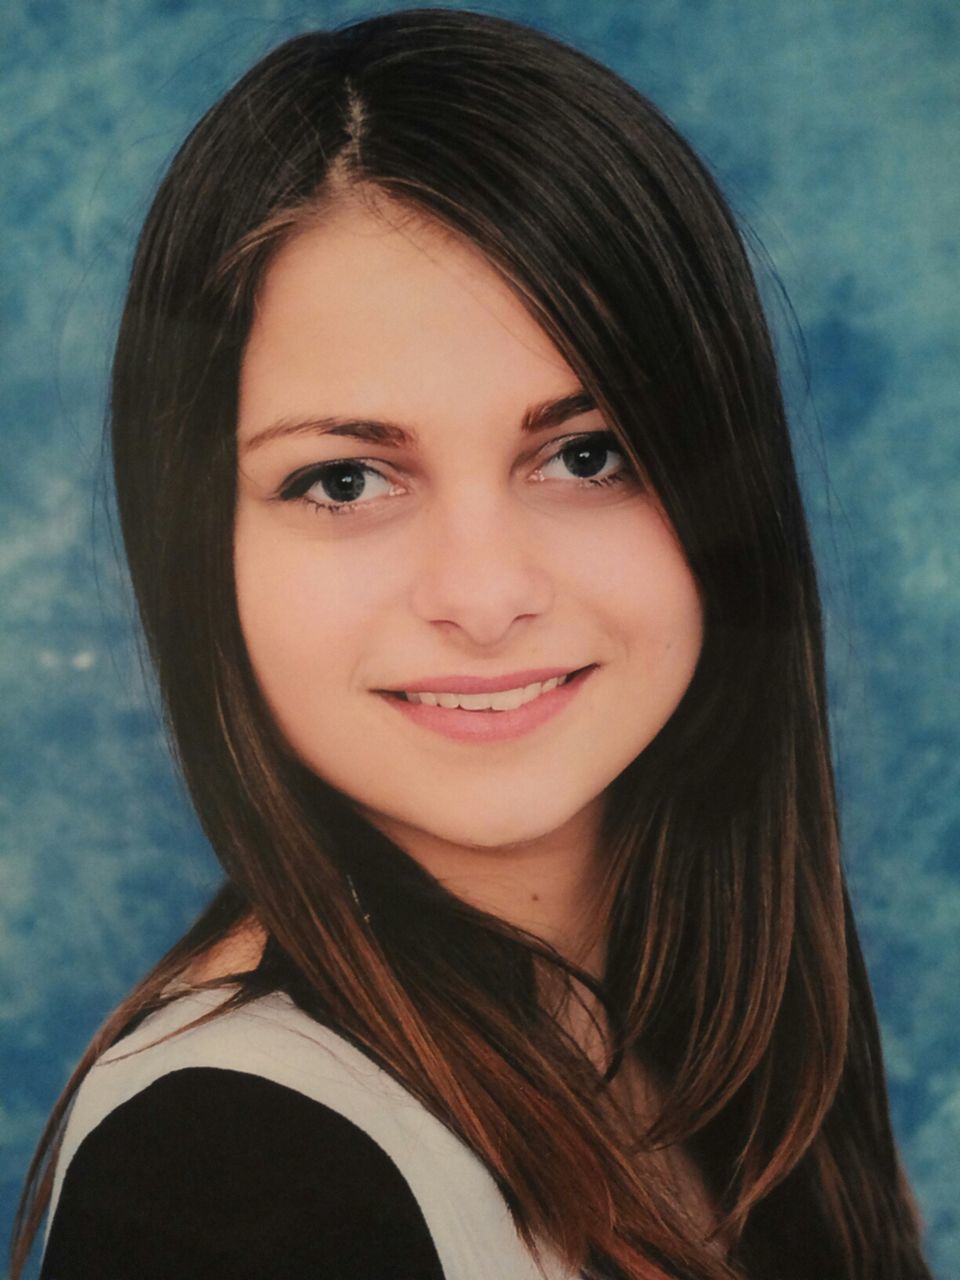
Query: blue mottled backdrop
[[833, 126]]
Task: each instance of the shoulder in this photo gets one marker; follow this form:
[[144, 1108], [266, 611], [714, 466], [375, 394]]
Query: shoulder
[[273, 1111], [213, 1172]]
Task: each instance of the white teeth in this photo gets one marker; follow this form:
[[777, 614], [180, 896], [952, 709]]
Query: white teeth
[[507, 700], [504, 700], [475, 701]]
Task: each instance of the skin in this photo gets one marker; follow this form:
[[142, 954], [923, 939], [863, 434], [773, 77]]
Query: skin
[[474, 550]]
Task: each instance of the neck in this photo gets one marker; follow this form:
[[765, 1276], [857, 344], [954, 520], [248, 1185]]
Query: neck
[[550, 886]]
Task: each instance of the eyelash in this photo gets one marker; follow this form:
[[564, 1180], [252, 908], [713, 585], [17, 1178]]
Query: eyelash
[[298, 485]]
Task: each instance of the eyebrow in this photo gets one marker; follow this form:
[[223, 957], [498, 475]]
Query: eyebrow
[[537, 417]]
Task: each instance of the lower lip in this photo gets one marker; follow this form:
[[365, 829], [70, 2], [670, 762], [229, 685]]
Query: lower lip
[[492, 726]]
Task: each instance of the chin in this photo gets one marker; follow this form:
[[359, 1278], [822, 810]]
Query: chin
[[499, 835], [485, 831]]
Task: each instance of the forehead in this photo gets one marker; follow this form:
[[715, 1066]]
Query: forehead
[[371, 314]]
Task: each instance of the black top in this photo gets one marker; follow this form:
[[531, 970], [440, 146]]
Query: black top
[[210, 1174]]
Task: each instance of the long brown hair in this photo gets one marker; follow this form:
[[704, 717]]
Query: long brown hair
[[734, 971]]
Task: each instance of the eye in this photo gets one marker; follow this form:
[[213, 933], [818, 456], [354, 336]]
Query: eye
[[337, 486], [594, 459]]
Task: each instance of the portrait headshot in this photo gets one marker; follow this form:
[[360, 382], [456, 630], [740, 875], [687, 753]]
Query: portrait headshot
[[480, 790]]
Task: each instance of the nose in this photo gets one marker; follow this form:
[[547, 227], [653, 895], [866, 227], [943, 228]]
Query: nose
[[479, 572]]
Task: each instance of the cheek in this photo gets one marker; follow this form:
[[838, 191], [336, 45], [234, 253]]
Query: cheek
[[668, 614], [304, 610], [653, 614], [664, 624], [632, 576]]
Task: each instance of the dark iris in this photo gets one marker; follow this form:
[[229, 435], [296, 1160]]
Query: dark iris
[[344, 482], [585, 458]]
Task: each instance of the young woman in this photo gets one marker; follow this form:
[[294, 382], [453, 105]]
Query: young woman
[[460, 508]]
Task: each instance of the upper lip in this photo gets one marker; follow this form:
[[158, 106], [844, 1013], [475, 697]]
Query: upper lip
[[482, 684]]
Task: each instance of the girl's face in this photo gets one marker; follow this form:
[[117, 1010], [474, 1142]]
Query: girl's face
[[430, 507]]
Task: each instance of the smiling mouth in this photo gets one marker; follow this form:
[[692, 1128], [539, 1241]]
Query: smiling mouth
[[501, 700]]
